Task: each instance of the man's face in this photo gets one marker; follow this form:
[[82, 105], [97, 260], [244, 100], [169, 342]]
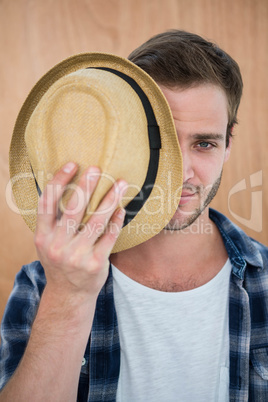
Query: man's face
[[201, 117]]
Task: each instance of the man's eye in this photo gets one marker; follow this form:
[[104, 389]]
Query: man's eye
[[204, 144]]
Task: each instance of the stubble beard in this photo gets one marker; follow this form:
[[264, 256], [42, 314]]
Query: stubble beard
[[176, 224]]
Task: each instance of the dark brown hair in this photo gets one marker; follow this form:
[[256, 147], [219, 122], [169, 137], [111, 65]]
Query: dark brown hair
[[182, 59]]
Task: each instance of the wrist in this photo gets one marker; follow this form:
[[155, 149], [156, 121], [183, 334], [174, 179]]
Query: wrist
[[65, 311]]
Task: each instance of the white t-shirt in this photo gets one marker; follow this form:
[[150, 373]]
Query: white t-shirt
[[174, 345]]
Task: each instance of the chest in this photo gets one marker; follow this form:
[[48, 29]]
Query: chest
[[159, 332]]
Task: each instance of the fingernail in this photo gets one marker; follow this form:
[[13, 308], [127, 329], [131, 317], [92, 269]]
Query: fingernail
[[93, 173], [119, 186], [121, 213], [69, 167]]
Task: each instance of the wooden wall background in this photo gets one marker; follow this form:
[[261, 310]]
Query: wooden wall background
[[36, 34]]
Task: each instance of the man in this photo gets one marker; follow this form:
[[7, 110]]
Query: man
[[189, 308]]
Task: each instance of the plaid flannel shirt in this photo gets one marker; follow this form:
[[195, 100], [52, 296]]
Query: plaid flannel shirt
[[248, 324]]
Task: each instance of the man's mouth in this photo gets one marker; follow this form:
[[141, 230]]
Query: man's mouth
[[187, 196]]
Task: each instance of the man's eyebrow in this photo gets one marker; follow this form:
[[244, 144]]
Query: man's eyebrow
[[208, 136]]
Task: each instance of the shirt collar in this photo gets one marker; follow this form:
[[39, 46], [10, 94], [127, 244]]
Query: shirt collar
[[241, 249]]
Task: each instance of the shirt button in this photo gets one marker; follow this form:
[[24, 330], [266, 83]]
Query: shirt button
[[83, 361]]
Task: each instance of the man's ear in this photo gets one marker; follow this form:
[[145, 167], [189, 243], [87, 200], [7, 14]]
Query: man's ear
[[228, 150]]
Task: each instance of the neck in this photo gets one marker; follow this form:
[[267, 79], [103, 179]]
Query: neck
[[191, 252]]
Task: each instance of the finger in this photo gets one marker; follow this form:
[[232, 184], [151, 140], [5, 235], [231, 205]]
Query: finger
[[48, 203], [106, 242], [110, 202], [76, 206], [98, 222]]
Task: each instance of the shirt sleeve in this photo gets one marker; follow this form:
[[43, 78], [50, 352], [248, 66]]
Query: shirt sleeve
[[18, 317]]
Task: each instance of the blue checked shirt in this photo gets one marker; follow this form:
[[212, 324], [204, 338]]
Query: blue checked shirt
[[248, 327]]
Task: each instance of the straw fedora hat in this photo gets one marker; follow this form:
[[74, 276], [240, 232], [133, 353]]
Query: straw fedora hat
[[100, 109]]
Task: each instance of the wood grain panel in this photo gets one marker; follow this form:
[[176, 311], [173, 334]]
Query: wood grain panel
[[36, 34]]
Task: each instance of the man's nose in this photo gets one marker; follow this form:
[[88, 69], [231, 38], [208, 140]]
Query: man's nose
[[188, 169]]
